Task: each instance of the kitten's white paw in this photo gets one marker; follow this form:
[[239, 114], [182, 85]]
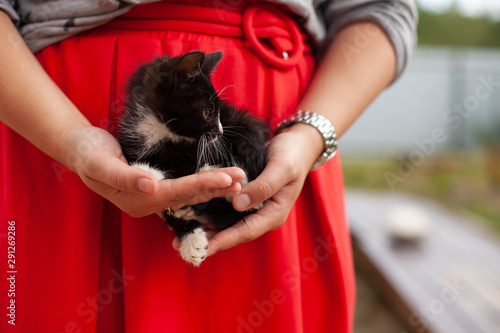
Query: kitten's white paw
[[194, 247], [159, 175]]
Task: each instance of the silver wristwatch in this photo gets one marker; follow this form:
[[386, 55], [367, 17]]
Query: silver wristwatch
[[323, 125]]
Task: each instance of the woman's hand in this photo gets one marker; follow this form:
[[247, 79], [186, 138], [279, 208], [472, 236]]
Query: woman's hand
[[341, 88], [290, 156], [92, 153], [95, 155]]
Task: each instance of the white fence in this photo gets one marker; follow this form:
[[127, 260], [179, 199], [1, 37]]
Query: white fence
[[455, 92]]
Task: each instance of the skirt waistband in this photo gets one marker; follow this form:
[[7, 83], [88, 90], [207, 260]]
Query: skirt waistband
[[269, 31]]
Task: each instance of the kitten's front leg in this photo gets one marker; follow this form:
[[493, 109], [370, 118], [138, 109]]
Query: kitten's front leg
[[194, 242]]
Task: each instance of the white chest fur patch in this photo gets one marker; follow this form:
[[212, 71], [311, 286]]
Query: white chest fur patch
[[154, 131]]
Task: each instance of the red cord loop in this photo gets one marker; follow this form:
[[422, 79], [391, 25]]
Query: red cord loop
[[270, 32], [265, 23]]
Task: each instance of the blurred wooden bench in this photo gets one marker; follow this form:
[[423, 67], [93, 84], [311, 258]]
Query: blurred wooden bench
[[449, 283]]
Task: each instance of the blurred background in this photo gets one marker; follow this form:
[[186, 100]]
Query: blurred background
[[422, 171]]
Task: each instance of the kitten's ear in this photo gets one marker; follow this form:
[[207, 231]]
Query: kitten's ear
[[211, 61], [190, 64]]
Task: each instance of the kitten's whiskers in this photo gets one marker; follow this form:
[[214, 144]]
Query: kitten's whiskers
[[241, 135], [201, 152], [223, 148], [245, 127], [220, 92], [204, 155]]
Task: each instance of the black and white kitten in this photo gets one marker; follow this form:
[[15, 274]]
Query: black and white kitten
[[175, 124]]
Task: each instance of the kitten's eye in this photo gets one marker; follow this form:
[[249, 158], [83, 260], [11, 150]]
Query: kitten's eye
[[207, 114]]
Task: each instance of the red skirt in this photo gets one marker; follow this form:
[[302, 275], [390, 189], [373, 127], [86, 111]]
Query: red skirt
[[82, 265]]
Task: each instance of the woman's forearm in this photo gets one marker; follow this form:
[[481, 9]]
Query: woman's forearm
[[30, 102], [34, 106], [358, 65]]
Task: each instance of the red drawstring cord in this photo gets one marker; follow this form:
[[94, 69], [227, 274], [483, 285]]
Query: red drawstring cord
[[265, 13], [270, 32]]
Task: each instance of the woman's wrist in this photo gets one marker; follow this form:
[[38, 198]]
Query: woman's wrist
[[76, 140], [322, 125], [310, 139]]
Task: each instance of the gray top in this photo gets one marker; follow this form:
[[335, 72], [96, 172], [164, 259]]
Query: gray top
[[43, 22]]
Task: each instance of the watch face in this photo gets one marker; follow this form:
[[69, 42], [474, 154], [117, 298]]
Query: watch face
[[323, 125]]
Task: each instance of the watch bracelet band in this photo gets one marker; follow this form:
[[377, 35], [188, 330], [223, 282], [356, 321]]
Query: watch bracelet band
[[323, 125]]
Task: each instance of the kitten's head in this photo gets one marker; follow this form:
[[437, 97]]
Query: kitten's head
[[178, 90]]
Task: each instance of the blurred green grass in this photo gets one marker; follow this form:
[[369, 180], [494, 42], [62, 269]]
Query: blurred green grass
[[460, 180]]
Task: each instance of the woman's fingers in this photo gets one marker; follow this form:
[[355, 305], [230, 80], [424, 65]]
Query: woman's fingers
[[188, 197], [121, 176], [97, 158], [269, 182], [138, 193], [94, 153], [201, 187], [270, 217], [290, 156]]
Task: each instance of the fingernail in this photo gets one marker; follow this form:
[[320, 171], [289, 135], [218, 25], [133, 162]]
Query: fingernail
[[145, 185], [236, 188], [241, 202]]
